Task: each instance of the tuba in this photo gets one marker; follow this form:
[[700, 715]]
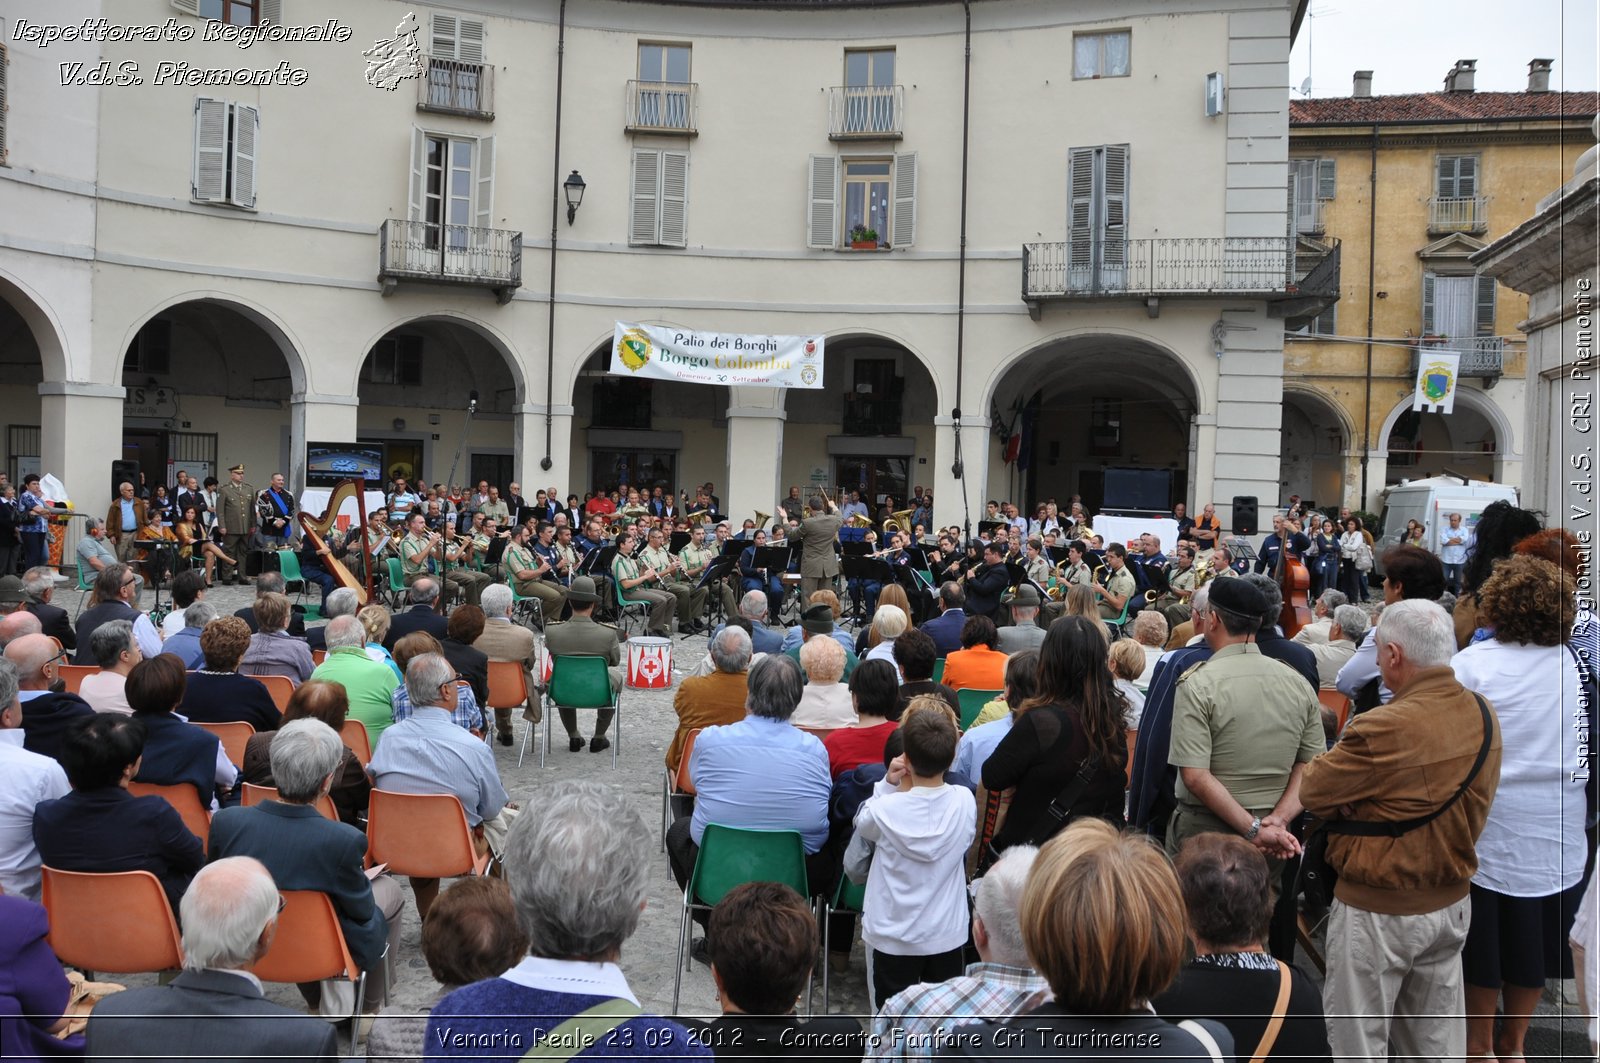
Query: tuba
[[858, 521], [763, 519], [899, 522]]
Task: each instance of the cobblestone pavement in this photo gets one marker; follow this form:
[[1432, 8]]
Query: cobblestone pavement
[[648, 957]]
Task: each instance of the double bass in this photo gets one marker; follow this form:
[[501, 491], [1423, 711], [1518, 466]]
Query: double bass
[[1294, 580]]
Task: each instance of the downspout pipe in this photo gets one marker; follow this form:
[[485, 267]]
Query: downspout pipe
[[1372, 258], [961, 266], [555, 219]]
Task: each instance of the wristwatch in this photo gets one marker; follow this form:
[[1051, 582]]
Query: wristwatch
[[1255, 828]]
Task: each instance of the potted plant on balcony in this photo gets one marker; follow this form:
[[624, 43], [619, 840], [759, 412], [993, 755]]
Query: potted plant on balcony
[[863, 239]]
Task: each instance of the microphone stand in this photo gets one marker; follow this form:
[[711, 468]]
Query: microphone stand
[[466, 430], [956, 470]]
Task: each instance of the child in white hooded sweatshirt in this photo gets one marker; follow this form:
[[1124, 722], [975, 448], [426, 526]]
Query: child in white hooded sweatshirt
[[914, 920]]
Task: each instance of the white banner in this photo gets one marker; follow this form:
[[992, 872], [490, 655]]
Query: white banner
[[1437, 371], [663, 353]]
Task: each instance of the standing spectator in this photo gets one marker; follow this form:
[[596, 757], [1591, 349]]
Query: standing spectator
[[26, 779], [1532, 850], [1263, 1002], [1355, 561], [236, 519], [1500, 527], [11, 519], [317, 700], [370, 684], [1003, 982], [1455, 543], [1409, 572], [217, 693], [1400, 908], [978, 665], [35, 534], [1324, 561], [116, 652], [272, 650]]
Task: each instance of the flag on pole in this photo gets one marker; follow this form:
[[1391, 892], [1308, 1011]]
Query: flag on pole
[[1437, 371]]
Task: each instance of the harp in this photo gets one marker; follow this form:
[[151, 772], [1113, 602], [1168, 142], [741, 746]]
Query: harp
[[317, 528]]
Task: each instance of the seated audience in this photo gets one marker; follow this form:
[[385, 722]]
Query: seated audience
[[717, 698], [817, 622], [116, 651], [889, 622], [272, 650], [26, 779], [217, 693], [1024, 632], [315, 699], [1149, 630], [342, 601], [39, 583], [381, 637], [503, 640], [369, 683], [115, 597], [175, 751], [188, 587], [826, 703], [215, 1008], [762, 942], [1345, 632], [100, 827], [984, 734], [945, 629], [875, 695], [1096, 893], [579, 867], [795, 635], [422, 616], [1227, 892], [184, 643], [978, 665], [914, 656], [1003, 983], [471, 935], [472, 664], [34, 991], [1125, 660], [466, 713], [271, 583], [47, 709]]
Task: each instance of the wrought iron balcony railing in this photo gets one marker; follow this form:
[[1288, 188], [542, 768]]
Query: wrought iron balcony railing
[[1458, 214], [455, 86], [1481, 356], [661, 107], [1109, 267], [866, 112], [450, 254]]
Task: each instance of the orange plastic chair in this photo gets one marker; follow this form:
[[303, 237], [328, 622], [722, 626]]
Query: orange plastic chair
[[354, 735], [281, 687], [1339, 705], [251, 794], [422, 835], [677, 784], [309, 946], [318, 656], [117, 923], [73, 674], [233, 736], [182, 797], [508, 685]]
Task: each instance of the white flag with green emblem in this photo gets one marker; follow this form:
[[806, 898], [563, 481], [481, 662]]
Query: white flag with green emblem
[[1437, 371]]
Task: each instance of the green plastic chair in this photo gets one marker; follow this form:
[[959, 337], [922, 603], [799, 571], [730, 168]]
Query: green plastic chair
[[624, 603], [938, 669], [1120, 622], [84, 588], [289, 568], [729, 857], [397, 582], [577, 682], [847, 897], [525, 606], [972, 703]]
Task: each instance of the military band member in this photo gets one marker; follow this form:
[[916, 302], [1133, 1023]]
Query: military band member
[[455, 568], [236, 519], [583, 636], [1119, 586], [1174, 605], [638, 585], [570, 557], [1034, 562], [417, 549], [532, 573], [1077, 573], [485, 533], [275, 511], [819, 565], [380, 541], [691, 600]]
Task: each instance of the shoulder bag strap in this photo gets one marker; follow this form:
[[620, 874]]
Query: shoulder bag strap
[[1060, 808], [1280, 1008], [1394, 829], [581, 1031], [1203, 1035]]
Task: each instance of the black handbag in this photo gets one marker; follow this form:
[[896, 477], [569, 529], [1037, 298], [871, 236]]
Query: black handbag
[[1317, 877]]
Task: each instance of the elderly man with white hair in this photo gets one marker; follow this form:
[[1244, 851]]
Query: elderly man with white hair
[[39, 583], [427, 753], [305, 851], [369, 683], [1322, 611], [503, 640], [184, 643], [15, 625], [913, 1023], [215, 1007], [1348, 628], [340, 602]]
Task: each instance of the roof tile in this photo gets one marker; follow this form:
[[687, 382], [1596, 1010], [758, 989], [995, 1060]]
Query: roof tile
[[1443, 107]]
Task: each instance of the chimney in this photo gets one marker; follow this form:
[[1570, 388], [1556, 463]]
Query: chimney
[[1363, 84], [1461, 76], [1539, 75]]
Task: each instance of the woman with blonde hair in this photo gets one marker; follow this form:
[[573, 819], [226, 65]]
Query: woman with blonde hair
[[1081, 602], [375, 621], [1103, 921]]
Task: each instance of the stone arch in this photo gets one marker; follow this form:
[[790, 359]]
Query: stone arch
[[497, 340], [1001, 367], [275, 328], [1479, 402], [42, 322]]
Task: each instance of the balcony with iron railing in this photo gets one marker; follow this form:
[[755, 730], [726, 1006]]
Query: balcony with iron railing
[[866, 112], [1481, 356], [661, 107], [1310, 217], [450, 254], [1458, 214], [456, 86]]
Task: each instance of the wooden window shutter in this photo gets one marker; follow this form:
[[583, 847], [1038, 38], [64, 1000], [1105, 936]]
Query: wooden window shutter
[[271, 11], [1080, 201], [903, 225], [1467, 175], [484, 161], [210, 181], [822, 199], [443, 37], [1483, 318], [417, 191], [246, 135], [1326, 182], [469, 40], [674, 198], [188, 7], [1115, 250], [1427, 304], [645, 214]]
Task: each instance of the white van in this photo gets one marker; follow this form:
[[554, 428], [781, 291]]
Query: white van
[[1430, 502]]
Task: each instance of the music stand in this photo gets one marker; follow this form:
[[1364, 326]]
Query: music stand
[[678, 541], [868, 570], [986, 528], [734, 547], [157, 548], [1241, 550]]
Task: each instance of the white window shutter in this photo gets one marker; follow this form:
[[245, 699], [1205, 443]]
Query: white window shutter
[[1080, 200], [1326, 178], [210, 181], [417, 192], [1467, 176], [644, 216], [1427, 304], [443, 36], [1115, 252], [485, 164], [674, 198], [903, 225], [822, 214], [1446, 177], [246, 133], [271, 11], [469, 40], [188, 7]]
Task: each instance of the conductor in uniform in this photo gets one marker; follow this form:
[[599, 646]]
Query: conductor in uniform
[[236, 519], [583, 636], [819, 565]]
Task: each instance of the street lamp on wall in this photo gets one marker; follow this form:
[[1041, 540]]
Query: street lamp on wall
[[573, 186]]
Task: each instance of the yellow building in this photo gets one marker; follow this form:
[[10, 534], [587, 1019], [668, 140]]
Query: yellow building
[[1408, 187]]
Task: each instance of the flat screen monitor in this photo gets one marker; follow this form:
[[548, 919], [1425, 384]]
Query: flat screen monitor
[[1138, 489], [328, 463]]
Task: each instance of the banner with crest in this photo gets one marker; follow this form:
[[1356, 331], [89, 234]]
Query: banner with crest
[[1437, 371], [735, 359]]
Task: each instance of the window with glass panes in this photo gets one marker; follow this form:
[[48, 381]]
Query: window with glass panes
[[866, 198], [232, 12], [1101, 55], [869, 91], [660, 66]]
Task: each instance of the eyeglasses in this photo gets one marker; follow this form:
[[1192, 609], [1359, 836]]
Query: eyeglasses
[[54, 659], [130, 581], [283, 902]]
